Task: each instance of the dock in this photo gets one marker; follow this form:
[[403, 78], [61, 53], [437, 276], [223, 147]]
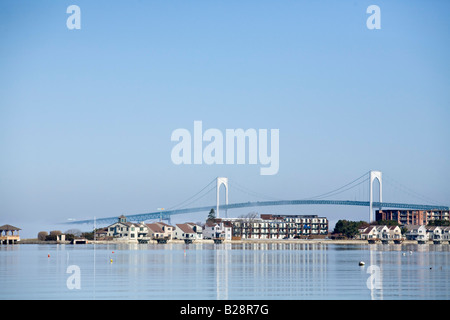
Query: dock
[[79, 241], [162, 240], [11, 238]]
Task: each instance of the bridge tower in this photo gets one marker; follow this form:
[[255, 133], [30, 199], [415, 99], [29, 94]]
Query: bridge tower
[[221, 181], [374, 175]]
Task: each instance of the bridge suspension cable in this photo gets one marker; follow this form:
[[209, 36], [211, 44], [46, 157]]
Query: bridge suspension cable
[[342, 191], [184, 203], [397, 185], [241, 188], [335, 191]]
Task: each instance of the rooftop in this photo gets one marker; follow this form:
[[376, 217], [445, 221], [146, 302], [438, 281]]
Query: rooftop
[[8, 227]]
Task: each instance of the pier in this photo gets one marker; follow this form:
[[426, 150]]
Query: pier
[[10, 238]]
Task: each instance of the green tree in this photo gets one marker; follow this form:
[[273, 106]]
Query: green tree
[[88, 235], [438, 223], [349, 228], [386, 223], [211, 215], [404, 230]]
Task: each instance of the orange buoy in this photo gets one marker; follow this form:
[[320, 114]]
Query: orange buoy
[[48, 256]]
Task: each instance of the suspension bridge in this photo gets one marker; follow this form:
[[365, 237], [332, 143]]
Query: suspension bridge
[[216, 184]]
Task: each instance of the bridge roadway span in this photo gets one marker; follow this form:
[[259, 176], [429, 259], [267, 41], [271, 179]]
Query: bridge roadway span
[[168, 213]]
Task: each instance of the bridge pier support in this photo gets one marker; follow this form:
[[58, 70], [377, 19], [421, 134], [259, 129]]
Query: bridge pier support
[[221, 181], [374, 175]]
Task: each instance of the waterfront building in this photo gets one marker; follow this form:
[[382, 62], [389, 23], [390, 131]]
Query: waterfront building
[[217, 228], [124, 230], [381, 232], [154, 231], [270, 226], [368, 233], [128, 231], [168, 230], [12, 237], [417, 232], [412, 217], [188, 231], [389, 232], [158, 230], [446, 233], [395, 232], [435, 232], [101, 234]]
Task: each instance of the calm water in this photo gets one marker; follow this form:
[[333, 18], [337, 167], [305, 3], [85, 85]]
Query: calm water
[[226, 271]]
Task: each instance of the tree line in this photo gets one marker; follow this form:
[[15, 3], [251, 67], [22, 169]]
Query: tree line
[[70, 235]]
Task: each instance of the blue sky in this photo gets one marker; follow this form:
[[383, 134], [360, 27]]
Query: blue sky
[[86, 115]]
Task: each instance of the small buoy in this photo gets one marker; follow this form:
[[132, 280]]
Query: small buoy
[[361, 263], [410, 252], [111, 260], [404, 254], [113, 252], [48, 256]]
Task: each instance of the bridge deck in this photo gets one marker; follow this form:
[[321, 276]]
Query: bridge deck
[[168, 213]]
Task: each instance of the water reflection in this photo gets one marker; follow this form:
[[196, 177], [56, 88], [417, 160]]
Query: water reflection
[[239, 271], [277, 270], [411, 271]]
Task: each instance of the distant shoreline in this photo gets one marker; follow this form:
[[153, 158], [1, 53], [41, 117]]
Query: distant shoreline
[[242, 241]]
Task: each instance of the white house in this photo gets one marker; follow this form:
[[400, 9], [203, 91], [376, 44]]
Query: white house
[[382, 232], [169, 231], [416, 232], [155, 231], [435, 233], [395, 232], [368, 233], [213, 230], [389, 232], [188, 231], [127, 231], [446, 233]]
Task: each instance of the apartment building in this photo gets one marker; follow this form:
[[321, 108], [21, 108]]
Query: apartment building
[[412, 217], [270, 226]]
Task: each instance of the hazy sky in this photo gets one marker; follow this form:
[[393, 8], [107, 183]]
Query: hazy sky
[[86, 115]]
